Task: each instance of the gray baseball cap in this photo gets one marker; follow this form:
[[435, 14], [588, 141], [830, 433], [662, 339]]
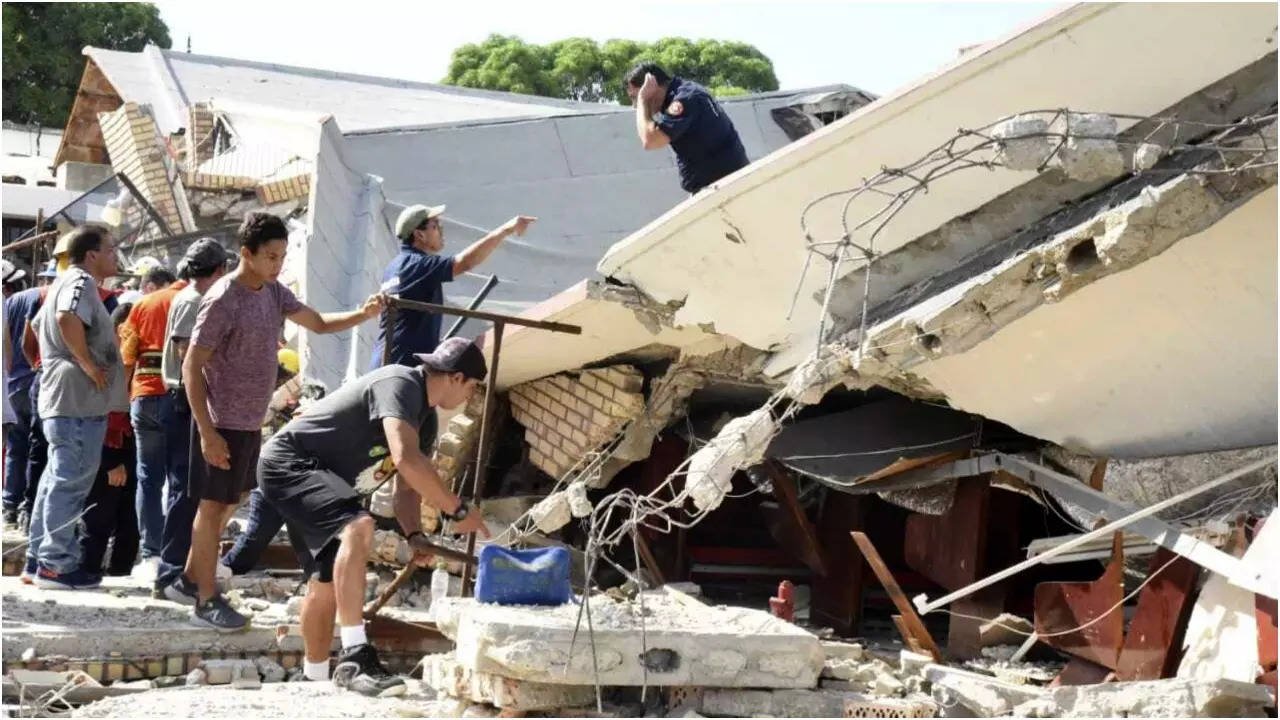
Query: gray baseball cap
[[413, 216], [203, 254], [456, 355]]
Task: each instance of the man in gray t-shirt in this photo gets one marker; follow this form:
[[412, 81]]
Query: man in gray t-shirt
[[82, 379], [308, 471]]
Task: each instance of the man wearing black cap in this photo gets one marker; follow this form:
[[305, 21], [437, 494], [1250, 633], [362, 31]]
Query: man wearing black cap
[[308, 472], [417, 273]]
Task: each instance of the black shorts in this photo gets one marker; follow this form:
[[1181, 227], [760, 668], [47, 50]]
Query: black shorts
[[206, 482], [316, 505]]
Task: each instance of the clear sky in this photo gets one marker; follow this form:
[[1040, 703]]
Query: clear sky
[[875, 46]]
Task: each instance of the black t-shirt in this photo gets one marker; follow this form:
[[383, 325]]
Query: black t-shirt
[[343, 432], [706, 144]]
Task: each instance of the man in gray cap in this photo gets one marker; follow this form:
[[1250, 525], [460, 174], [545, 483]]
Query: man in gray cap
[[418, 272], [203, 264]]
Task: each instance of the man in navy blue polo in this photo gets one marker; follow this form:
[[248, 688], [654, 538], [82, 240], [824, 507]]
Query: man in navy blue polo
[[418, 272], [681, 113]]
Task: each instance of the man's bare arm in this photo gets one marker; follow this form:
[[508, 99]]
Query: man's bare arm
[[408, 506], [317, 322], [30, 345], [481, 249], [415, 468], [648, 103]]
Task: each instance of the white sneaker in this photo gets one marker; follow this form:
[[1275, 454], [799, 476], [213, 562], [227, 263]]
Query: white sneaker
[[146, 570]]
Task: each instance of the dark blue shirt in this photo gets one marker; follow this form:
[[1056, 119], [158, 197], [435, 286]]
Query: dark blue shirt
[[707, 145], [413, 275], [17, 307]]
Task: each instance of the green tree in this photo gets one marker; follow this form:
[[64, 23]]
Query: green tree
[[42, 51], [582, 69]]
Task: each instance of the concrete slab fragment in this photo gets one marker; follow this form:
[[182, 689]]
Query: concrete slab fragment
[[444, 674], [811, 703], [1165, 698], [680, 643]]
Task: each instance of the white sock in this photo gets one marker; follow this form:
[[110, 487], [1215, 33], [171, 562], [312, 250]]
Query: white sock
[[353, 635], [315, 671]]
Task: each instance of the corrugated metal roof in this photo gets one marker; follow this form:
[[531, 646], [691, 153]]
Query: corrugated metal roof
[[169, 81]]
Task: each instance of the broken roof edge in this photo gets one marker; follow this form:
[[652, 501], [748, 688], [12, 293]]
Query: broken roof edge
[[90, 51], [814, 146], [598, 109]]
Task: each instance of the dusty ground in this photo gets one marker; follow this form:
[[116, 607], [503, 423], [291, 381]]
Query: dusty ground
[[273, 700]]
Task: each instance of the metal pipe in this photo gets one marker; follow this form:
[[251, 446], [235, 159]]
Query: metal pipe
[[481, 315], [485, 444], [475, 303], [924, 606]]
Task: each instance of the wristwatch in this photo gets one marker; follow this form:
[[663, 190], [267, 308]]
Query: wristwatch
[[656, 118], [457, 515]]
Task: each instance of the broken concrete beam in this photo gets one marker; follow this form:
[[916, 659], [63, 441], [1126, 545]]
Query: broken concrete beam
[[1165, 698], [1090, 151], [810, 703], [552, 513], [981, 695], [1024, 142], [680, 643], [444, 674], [579, 505], [739, 444], [1004, 629], [842, 650], [223, 672]]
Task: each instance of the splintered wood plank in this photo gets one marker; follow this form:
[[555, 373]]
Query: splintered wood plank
[[910, 620], [809, 550]]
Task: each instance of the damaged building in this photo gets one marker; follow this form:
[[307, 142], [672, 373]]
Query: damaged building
[[960, 402]]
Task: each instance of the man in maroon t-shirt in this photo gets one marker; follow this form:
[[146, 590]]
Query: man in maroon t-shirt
[[229, 373]]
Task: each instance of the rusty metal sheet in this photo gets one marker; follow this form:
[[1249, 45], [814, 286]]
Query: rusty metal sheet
[[950, 549], [1153, 645], [1062, 606]]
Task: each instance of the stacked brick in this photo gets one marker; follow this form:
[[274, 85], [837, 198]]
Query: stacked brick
[[297, 186], [569, 415], [200, 124], [135, 150]]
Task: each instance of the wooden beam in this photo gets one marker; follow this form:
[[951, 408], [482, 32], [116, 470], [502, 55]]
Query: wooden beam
[[837, 597], [1099, 473], [784, 491], [910, 620], [646, 556]]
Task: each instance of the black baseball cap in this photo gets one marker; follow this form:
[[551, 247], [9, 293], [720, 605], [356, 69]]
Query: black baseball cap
[[456, 355]]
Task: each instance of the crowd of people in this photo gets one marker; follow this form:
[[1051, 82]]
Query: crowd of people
[[134, 424]]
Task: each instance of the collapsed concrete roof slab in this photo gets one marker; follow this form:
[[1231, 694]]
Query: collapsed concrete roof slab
[[1175, 355], [609, 327], [745, 289]]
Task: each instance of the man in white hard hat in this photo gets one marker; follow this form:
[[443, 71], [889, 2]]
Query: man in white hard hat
[[418, 272]]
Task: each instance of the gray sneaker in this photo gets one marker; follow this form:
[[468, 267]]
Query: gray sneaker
[[182, 591], [218, 614]]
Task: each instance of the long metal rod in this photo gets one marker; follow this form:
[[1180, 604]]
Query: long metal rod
[[495, 318], [35, 240], [923, 604], [475, 303], [1154, 529], [485, 444], [146, 205]]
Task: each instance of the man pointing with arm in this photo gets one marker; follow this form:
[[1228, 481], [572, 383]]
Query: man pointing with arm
[[418, 272]]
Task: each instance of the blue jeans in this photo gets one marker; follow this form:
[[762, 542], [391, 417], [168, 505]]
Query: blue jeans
[[75, 449], [263, 524], [37, 447], [162, 457], [180, 513], [17, 440]]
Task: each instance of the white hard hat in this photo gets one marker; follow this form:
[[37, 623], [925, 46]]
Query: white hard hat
[[12, 273]]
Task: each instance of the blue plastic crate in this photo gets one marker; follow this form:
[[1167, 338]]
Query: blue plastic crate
[[523, 577]]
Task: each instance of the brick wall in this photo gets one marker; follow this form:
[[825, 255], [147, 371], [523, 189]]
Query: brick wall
[[569, 415], [135, 150], [200, 124]]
